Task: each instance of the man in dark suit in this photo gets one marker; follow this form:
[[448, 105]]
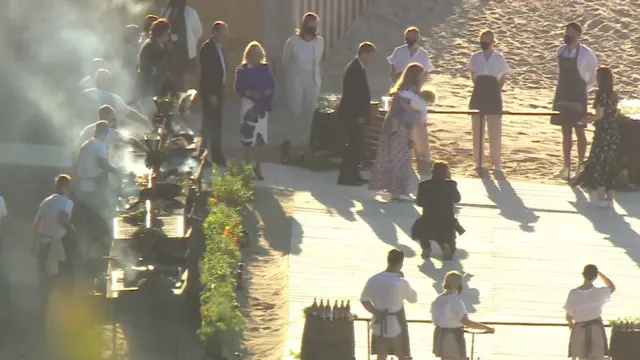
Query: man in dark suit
[[213, 76], [354, 111]]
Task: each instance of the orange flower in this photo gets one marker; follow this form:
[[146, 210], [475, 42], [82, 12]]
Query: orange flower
[[205, 313]]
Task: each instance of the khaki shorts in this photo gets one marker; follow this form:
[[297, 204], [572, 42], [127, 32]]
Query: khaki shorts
[[388, 346]]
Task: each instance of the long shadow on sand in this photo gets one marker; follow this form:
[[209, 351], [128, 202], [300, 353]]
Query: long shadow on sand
[[510, 204], [277, 223], [470, 296], [608, 222]]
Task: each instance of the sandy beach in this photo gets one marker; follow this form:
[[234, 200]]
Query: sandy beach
[[528, 34]]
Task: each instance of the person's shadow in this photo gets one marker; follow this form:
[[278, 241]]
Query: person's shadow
[[608, 222], [509, 203], [383, 217], [470, 296]]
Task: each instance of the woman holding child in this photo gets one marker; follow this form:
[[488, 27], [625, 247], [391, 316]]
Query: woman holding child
[[256, 86], [393, 165]]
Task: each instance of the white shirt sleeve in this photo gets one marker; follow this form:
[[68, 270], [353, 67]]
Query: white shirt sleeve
[[196, 26], [366, 292], [588, 64], [428, 67], [409, 294], [462, 309], [393, 58], [568, 306], [504, 68], [470, 63], [121, 107], [604, 295]]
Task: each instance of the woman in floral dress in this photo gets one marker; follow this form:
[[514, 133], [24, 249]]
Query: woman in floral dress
[[393, 165], [602, 167]]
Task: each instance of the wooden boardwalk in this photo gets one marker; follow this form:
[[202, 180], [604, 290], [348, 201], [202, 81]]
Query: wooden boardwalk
[[524, 249]]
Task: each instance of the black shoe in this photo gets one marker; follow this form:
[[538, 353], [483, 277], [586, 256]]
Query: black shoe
[[285, 148], [426, 253]]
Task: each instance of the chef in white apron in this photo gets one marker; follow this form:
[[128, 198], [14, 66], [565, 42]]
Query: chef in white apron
[[588, 340], [489, 71]]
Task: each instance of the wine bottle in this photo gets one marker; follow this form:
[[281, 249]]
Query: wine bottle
[[327, 310], [348, 311], [336, 311], [314, 307], [321, 308], [343, 310]]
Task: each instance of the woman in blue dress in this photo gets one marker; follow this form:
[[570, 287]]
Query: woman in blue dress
[[256, 87]]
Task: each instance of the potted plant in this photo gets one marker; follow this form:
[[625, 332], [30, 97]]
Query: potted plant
[[625, 338]]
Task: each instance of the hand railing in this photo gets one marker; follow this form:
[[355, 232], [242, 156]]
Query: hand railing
[[472, 332]]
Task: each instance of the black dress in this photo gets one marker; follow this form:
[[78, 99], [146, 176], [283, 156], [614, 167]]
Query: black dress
[[152, 68], [602, 168]]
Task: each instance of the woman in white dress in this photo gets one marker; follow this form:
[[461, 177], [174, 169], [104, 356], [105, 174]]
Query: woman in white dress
[[489, 71], [450, 316], [256, 87], [588, 340], [301, 58]]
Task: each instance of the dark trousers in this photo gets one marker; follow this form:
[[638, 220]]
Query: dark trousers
[[211, 131], [352, 154]]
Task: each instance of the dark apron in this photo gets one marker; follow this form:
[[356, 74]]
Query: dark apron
[[571, 93], [438, 339], [588, 327], [404, 327], [486, 96]]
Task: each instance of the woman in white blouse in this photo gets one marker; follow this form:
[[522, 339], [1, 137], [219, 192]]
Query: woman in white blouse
[[301, 58], [489, 73], [450, 316], [584, 305]]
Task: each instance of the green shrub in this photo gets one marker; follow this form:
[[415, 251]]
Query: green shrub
[[221, 318]]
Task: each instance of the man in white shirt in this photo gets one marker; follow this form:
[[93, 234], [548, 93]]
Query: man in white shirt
[[383, 296], [577, 66], [583, 308], [401, 57], [51, 224], [92, 99], [89, 82], [93, 168]]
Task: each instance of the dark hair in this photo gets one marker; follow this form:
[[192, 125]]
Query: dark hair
[[440, 170], [306, 19], [148, 21], [590, 272], [395, 257], [366, 48], [604, 76], [62, 181], [217, 25], [104, 111], [159, 28], [575, 26]]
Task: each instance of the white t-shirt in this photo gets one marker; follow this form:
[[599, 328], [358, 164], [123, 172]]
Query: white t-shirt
[[585, 305], [92, 99], [88, 83], [401, 58], [49, 227], [447, 311], [587, 62], [496, 65], [387, 291], [88, 169]]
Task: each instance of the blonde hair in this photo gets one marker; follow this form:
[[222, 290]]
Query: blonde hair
[[412, 29], [429, 95], [247, 51], [452, 280], [411, 77]]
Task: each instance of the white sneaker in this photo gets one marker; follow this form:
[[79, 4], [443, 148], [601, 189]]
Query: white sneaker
[[562, 174]]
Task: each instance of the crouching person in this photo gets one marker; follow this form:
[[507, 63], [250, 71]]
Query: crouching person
[[437, 198]]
